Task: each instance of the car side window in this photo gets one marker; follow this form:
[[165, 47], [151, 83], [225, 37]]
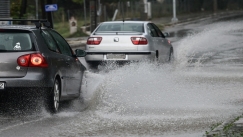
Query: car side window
[[160, 34], [62, 43], [50, 41], [151, 30]]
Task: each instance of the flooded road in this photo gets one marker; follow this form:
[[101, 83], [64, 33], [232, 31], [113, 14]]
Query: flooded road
[[201, 88]]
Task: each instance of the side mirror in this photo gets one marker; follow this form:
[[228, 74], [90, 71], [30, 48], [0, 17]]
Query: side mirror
[[166, 34], [80, 53]]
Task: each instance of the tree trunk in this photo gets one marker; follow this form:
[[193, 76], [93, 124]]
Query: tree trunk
[[23, 9], [215, 5], [49, 14], [43, 13]]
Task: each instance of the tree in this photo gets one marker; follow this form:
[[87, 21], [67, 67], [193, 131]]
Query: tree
[[15, 8], [78, 1], [215, 5], [49, 14], [23, 9]]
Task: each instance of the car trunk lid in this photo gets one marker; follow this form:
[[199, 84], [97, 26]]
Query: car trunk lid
[[115, 41], [9, 66], [13, 44]]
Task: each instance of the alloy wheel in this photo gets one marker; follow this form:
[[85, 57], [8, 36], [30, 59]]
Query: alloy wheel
[[56, 95]]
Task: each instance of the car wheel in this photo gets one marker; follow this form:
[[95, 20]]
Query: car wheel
[[53, 98]]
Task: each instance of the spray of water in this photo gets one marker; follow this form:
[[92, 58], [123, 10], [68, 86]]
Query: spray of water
[[147, 99], [214, 39]]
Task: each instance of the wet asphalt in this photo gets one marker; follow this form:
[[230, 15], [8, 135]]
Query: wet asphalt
[[229, 128]]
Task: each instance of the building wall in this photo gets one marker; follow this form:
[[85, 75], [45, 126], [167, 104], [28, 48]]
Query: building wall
[[5, 9]]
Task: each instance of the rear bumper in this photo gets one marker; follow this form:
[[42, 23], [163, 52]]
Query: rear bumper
[[128, 56], [30, 80]]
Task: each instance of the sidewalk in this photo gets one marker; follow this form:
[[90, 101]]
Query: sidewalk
[[77, 42], [231, 128]]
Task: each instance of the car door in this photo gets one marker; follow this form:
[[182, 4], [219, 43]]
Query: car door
[[73, 73], [153, 35], [163, 44]]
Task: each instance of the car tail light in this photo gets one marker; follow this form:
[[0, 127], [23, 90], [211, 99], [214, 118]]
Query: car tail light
[[169, 41], [24, 60], [94, 40], [32, 60], [139, 40]]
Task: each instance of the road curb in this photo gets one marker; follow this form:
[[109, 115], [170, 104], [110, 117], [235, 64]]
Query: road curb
[[230, 128]]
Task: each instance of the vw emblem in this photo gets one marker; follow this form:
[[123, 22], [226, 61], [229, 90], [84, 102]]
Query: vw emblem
[[116, 39], [18, 67]]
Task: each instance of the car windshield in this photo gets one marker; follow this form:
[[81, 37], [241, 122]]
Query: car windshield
[[15, 41], [133, 27]]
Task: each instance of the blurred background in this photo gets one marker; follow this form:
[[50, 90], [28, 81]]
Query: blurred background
[[84, 15]]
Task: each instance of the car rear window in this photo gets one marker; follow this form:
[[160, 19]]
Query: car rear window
[[11, 41], [134, 27]]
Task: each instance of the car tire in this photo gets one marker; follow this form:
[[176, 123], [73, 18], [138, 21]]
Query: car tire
[[53, 98]]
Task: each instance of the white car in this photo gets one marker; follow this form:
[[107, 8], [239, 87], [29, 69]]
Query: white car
[[127, 41]]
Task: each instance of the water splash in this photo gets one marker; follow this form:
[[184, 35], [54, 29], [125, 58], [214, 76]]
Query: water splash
[[147, 99], [212, 40]]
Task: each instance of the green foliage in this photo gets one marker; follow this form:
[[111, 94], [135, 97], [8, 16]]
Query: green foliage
[[116, 1], [228, 130], [15, 8], [79, 33], [78, 1], [63, 29]]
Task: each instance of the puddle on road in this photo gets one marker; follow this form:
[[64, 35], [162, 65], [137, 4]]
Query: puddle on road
[[146, 99]]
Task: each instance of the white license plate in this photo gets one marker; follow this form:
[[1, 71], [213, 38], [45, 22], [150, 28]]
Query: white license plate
[[115, 56], [2, 85]]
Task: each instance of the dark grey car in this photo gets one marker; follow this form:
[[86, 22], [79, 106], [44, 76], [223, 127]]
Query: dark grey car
[[39, 59]]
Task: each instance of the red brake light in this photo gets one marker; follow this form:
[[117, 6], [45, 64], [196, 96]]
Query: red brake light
[[94, 40], [32, 60], [139, 40], [169, 41], [23, 60]]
